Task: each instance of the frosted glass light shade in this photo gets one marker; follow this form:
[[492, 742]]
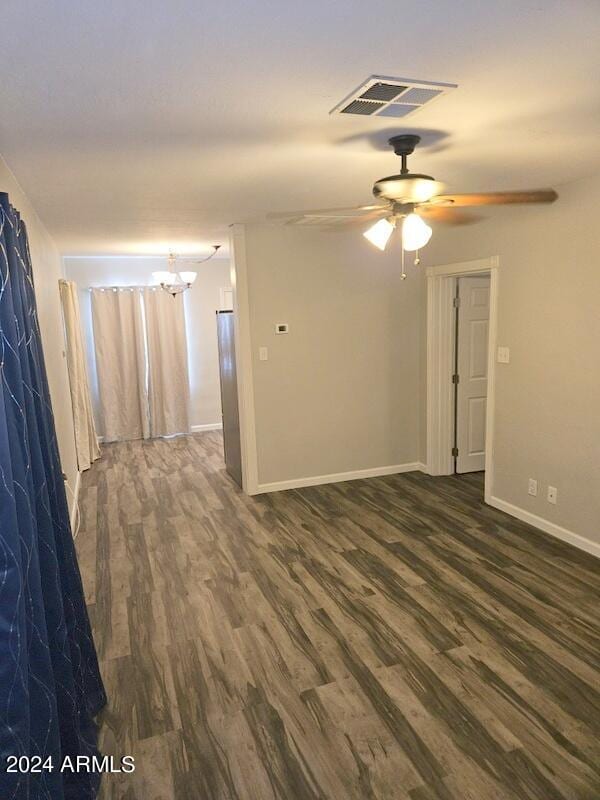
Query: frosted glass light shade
[[163, 276], [188, 277], [379, 233], [407, 189], [415, 232]]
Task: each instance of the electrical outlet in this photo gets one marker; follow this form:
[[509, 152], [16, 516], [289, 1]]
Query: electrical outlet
[[552, 494], [532, 490], [503, 356]]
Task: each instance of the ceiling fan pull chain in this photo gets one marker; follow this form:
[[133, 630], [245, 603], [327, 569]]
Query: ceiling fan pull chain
[[417, 258], [403, 275]]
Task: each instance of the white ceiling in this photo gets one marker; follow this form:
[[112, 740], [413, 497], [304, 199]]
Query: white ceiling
[[136, 125]]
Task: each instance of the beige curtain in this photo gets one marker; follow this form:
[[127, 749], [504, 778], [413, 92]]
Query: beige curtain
[[120, 363], [168, 380], [86, 441]]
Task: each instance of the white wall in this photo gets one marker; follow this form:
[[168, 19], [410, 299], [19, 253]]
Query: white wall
[[47, 270], [201, 302], [547, 420], [340, 392]]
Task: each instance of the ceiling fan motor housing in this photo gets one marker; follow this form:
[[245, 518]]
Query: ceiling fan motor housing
[[408, 188], [404, 144]]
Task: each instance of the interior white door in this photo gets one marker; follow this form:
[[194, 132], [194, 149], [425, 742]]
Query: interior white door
[[472, 370]]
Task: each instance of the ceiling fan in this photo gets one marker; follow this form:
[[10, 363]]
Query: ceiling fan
[[414, 199]]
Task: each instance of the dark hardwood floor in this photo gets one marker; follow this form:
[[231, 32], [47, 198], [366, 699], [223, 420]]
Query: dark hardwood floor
[[383, 638]]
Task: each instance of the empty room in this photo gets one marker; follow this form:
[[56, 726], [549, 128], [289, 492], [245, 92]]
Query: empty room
[[299, 400]]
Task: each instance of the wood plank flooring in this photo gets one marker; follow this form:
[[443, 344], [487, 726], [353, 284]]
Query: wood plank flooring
[[383, 639]]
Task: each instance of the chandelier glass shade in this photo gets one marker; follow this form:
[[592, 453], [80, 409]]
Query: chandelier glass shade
[[164, 276], [188, 277]]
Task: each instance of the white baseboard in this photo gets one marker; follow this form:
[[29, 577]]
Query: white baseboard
[[211, 426], [337, 477], [548, 527]]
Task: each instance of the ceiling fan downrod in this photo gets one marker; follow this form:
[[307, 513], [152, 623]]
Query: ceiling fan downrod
[[404, 145]]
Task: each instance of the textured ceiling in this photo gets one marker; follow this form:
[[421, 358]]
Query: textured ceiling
[[134, 126]]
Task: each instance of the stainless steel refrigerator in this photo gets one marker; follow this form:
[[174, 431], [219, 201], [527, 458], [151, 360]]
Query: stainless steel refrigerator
[[229, 395]]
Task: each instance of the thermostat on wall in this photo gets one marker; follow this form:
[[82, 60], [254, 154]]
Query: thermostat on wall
[[282, 327]]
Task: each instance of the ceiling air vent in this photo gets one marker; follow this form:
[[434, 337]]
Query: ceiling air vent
[[361, 107], [390, 97]]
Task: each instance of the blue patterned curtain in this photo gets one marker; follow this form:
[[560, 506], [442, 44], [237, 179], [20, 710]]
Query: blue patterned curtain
[[50, 685]]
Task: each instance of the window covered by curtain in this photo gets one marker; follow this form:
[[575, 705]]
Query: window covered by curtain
[[168, 379], [50, 686], [119, 341], [141, 362], [86, 441]]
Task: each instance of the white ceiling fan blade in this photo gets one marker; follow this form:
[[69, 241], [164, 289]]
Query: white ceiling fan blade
[[328, 212], [337, 221], [348, 223]]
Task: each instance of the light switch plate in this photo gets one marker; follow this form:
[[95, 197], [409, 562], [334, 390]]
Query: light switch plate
[[503, 355], [552, 494], [263, 354]]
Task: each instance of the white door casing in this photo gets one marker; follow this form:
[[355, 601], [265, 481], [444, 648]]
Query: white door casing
[[440, 364], [472, 370]]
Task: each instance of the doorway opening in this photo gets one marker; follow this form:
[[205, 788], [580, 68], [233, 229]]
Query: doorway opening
[[461, 342]]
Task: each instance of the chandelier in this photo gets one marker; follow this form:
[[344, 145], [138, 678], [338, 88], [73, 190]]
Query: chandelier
[[176, 281]]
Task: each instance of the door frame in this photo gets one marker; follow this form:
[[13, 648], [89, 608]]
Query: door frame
[[243, 355], [441, 284]]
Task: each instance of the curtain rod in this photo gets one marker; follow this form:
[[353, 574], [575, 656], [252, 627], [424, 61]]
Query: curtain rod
[[119, 288]]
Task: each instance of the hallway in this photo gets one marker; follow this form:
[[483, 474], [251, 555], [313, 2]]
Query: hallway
[[385, 638]]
